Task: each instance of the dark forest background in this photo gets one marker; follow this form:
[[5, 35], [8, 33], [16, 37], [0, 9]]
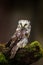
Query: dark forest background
[[11, 11]]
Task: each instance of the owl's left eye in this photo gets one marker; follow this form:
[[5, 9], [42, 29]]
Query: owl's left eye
[[25, 24]]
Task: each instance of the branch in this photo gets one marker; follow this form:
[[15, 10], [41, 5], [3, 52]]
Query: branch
[[27, 55]]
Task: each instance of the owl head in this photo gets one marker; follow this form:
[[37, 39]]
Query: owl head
[[24, 25]]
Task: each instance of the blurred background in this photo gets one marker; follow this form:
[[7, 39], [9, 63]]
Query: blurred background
[[11, 11]]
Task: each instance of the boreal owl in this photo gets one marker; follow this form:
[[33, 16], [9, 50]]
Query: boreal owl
[[20, 37]]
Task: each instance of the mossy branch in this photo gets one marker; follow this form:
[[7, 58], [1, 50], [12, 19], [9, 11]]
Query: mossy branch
[[27, 55]]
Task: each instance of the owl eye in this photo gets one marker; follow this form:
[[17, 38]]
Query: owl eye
[[25, 24], [21, 24]]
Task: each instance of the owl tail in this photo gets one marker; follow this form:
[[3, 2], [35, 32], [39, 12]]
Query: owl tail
[[13, 51]]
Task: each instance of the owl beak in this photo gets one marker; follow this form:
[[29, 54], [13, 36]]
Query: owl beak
[[23, 28]]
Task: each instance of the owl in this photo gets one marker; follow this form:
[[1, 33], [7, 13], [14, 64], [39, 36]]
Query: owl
[[20, 37]]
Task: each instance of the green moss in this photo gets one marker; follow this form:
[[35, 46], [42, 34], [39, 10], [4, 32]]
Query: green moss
[[2, 58], [36, 48]]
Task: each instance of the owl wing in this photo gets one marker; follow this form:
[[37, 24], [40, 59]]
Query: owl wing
[[13, 51], [16, 38], [12, 41], [22, 43]]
